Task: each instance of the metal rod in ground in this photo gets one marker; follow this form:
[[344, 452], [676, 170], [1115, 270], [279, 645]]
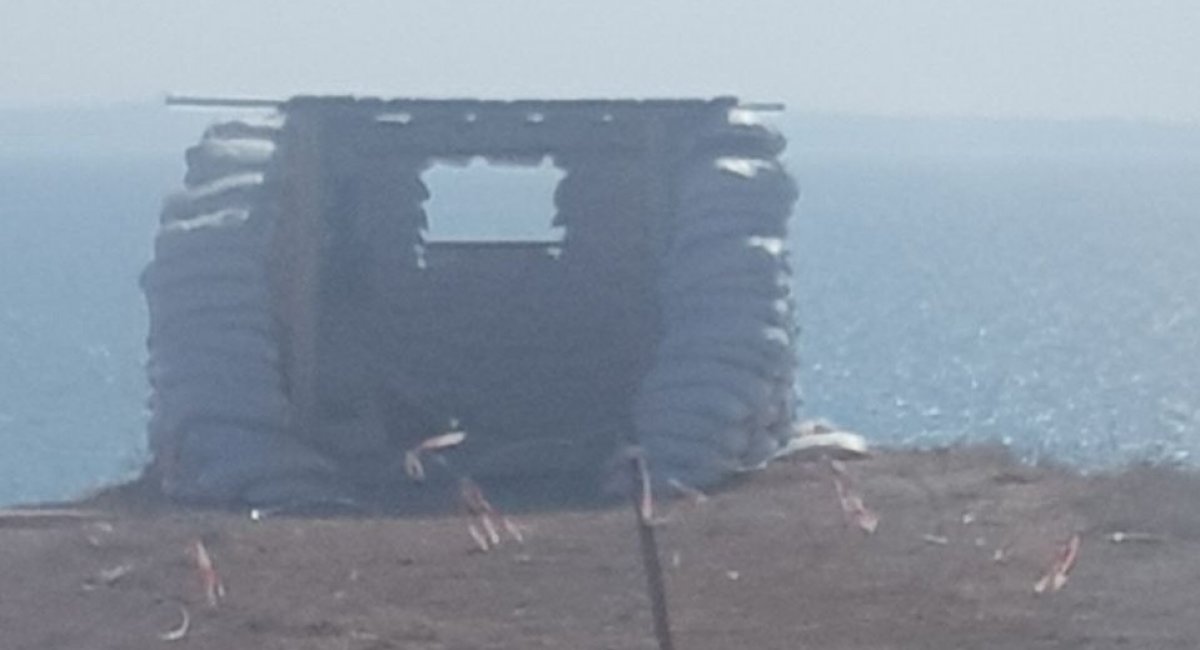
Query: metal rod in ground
[[650, 558]]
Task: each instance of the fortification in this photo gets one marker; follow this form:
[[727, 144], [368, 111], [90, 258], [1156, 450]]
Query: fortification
[[304, 334]]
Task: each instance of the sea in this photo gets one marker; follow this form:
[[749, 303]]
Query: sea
[[1021, 283]]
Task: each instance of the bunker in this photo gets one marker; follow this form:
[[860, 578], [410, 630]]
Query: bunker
[[304, 333]]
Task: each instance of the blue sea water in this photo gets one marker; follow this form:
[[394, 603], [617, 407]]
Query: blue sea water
[[1046, 300], [75, 234]]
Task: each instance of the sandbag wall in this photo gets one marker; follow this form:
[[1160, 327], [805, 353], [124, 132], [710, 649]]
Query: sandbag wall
[[720, 396], [220, 416], [303, 333]]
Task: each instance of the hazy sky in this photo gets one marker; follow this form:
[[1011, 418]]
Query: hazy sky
[[1026, 58]]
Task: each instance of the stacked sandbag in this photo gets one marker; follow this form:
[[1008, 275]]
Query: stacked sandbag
[[719, 398], [219, 411]]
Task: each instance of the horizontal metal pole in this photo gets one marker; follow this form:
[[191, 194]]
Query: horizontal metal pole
[[763, 107], [222, 102], [253, 102]]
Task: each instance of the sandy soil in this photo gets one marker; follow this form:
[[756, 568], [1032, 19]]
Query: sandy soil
[[963, 536]]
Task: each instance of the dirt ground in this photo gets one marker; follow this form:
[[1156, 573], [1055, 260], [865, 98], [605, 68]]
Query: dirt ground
[[963, 536]]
